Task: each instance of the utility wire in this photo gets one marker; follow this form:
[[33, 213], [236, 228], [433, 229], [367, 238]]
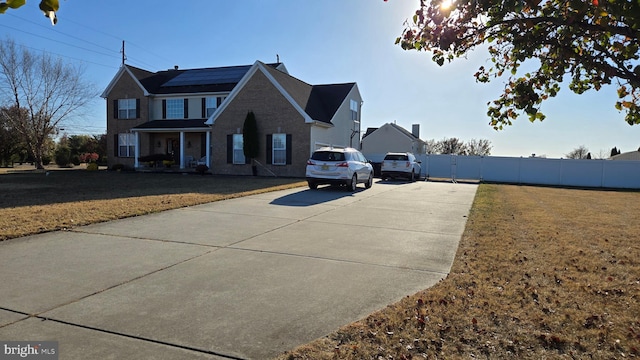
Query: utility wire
[[68, 57], [119, 38], [74, 37], [48, 28], [58, 41]]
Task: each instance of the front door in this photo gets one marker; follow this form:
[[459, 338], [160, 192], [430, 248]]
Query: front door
[[173, 149]]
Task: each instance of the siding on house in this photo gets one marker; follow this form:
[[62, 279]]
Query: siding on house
[[340, 134], [390, 138]]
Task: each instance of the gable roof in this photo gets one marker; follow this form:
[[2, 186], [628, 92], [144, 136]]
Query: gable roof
[[404, 131], [398, 128], [314, 102], [630, 155], [175, 81], [369, 131], [325, 100]]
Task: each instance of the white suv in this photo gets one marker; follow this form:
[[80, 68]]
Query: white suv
[[339, 167], [402, 165]]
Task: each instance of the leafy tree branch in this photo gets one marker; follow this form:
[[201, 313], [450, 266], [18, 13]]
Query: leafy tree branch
[[589, 43]]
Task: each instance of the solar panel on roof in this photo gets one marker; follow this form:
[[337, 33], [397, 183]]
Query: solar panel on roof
[[209, 76]]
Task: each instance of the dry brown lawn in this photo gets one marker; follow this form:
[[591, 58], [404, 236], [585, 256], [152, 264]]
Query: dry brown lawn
[[32, 202], [540, 273]]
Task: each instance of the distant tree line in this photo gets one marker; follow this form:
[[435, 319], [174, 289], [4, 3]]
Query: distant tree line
[[582, 152], [455, 146], [68, 151]]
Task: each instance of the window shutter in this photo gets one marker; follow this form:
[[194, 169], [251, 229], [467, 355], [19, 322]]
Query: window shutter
[[203, 108], [115, 145], [269, 151], [115, 109], [218, 101], [186, 108], [229, 149], [289, 150], [164, 109], [137, 108]]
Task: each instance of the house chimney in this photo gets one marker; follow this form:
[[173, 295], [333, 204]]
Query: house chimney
[[175, 67], [415, 130]]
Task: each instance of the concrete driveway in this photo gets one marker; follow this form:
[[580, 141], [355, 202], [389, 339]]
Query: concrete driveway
[[246, 278]]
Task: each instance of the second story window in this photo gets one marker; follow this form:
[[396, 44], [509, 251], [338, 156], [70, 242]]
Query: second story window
[[175, 109], [126, 109], [353, 106], [211, 104]]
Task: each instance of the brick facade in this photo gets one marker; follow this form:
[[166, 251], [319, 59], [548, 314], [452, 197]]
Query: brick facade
[[274, 114], [125, 88]]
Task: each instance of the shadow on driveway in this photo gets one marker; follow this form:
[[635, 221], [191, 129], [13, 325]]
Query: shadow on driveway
[[314, 197]]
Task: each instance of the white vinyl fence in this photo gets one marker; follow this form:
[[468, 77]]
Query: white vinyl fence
[[563, 172]]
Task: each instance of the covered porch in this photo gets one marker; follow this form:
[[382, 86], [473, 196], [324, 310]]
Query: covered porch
[[177, 144]]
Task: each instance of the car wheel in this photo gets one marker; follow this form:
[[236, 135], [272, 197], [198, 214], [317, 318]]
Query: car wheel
[[413, 176], [351, 186], [369, 182], [312, 185]]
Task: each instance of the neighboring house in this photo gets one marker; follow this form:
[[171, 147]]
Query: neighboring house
[[198, 114], [631, 155], [391, 138]]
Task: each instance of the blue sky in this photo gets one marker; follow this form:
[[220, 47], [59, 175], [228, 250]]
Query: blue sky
[[320, 42]]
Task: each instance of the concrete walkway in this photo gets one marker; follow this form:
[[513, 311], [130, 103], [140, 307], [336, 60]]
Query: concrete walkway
[[239, 279]]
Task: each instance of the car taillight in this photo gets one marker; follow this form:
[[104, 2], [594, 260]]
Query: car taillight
[[407, 164], [309, 162], [343, 164]]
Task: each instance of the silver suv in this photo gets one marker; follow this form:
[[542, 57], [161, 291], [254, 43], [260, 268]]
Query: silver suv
[[339, 167], [402, 165]]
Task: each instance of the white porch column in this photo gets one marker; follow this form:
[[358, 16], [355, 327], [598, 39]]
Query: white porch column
[[208, 150], [182, 150], [136, 150]]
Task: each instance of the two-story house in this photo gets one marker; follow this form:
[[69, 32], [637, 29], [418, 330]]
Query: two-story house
[[197, 115]]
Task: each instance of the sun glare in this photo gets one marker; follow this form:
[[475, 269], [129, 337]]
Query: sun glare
[[446, 4]]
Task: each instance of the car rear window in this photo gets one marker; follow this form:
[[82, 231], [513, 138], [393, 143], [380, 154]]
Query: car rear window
[[399, 157], [328, 156]]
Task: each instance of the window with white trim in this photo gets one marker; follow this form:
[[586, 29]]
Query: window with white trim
[[211, 105], [353, 106], [127, 108], [279, 149], [126, 145], [175, 108], [238, 151]]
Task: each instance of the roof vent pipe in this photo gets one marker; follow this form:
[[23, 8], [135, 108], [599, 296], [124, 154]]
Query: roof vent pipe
[[175, 67]]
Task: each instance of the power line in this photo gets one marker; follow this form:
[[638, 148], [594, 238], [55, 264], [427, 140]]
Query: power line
[[58, 41], [68, 57], [48, 28], [120, 38], [135, 60]]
